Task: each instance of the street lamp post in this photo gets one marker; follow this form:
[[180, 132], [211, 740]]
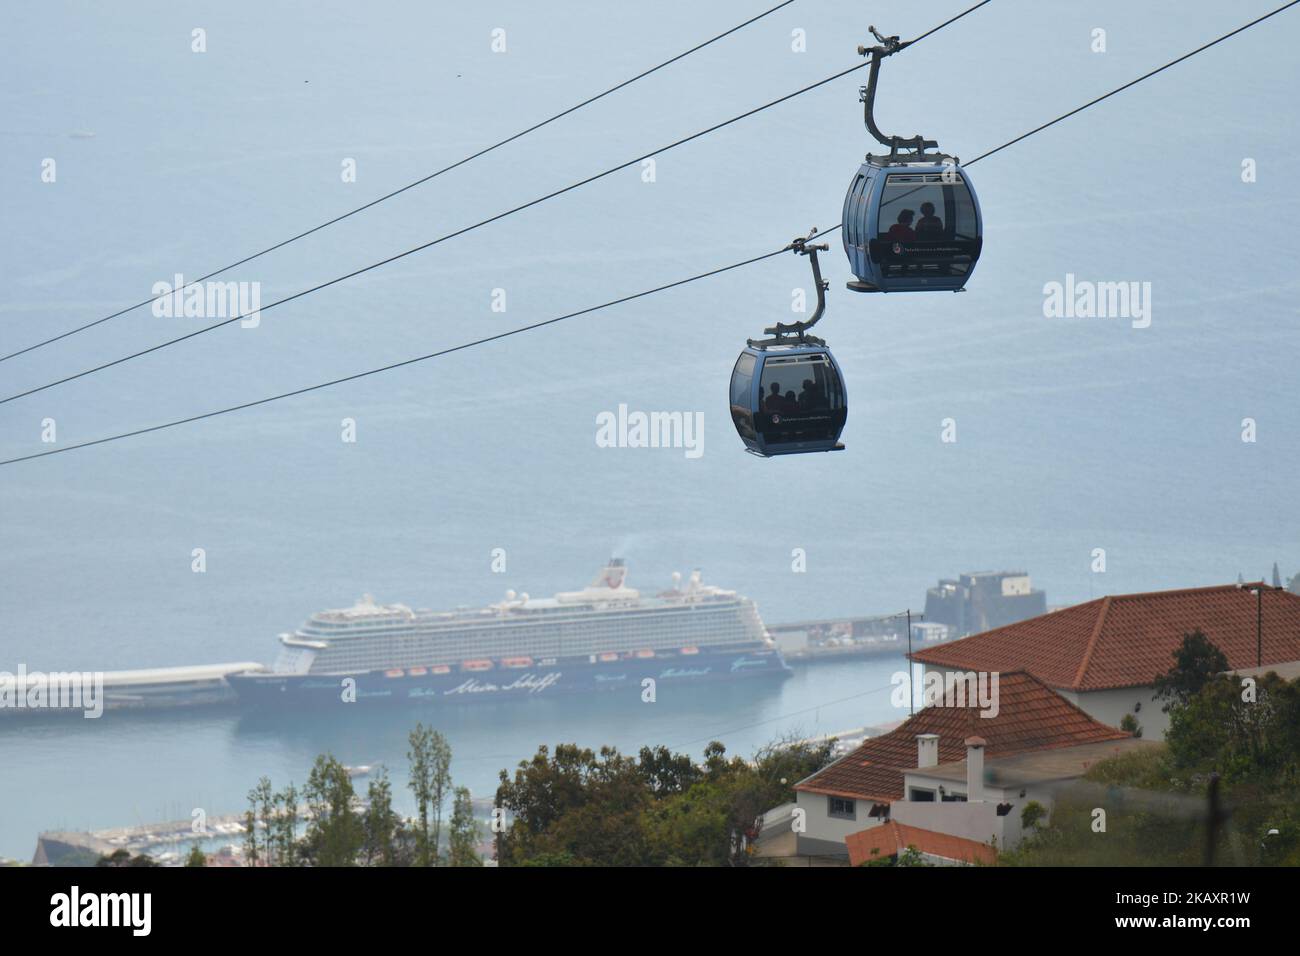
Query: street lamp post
[[1259, 626]]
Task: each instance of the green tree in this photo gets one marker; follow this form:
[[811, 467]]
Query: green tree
[[430, 780], [583, 808], [381, 823], [197, 857], [1031, 815], [910, 857], [1129, 724], [666, 772], [464, 831], [261, 800], [716, 821], [285, 824], [251, 854], [1196, 662], [1242, 732], [574, 805], [334, 830], [123, 858]]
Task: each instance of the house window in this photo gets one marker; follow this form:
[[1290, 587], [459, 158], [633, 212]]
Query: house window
[[921, 796], [954, 798], [844, 809]]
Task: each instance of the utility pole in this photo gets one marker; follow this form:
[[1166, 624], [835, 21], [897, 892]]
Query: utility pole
[[911, 692]]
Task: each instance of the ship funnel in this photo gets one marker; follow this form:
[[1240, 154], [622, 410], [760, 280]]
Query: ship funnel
[[510, 595], [677, 580], [612, 575]]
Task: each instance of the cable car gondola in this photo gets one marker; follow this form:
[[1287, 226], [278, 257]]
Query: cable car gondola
[[787, 393], [911, 218]]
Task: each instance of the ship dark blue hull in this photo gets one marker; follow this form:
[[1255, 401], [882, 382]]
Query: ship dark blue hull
[[560, 678]]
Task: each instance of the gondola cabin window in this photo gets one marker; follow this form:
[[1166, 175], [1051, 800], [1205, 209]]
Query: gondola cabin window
[[925, 207]]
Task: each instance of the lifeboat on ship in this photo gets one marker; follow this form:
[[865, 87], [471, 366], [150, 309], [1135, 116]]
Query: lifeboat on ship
[[690, 651], [476, 665], [516, 662], [394, 672]]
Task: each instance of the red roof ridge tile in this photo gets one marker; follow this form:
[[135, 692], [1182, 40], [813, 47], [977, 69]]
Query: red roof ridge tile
[[1123, 640], [1176, 592], [1073, 609], [1092, 641]]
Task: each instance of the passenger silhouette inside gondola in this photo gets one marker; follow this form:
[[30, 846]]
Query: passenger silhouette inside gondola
[[903, 228], [809, 398], [929, 226], [774, 402]]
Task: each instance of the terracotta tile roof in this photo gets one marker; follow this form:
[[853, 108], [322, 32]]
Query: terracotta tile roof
[[1031, 716], [892, 838], [1127, 640]]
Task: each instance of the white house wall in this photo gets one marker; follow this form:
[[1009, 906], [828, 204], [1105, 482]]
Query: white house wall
[[824, 835], [972, 821], [1110, 706]]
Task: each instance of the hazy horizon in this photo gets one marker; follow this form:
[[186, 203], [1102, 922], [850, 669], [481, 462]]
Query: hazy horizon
[[1072, 434]]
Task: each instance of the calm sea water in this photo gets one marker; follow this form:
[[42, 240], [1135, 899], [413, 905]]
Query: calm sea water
[[145, 768], [1072, 434]]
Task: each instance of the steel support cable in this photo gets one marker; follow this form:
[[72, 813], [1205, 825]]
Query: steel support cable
[[395, 365], [419, 182], [768, 255], [464, 230]]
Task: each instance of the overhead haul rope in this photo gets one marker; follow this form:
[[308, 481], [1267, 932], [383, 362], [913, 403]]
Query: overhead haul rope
[[419, 182], [464, 230], [396, 365], [264, 401]]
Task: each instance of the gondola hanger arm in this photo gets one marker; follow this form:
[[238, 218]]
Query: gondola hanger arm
[[888, 46], [803, 246]]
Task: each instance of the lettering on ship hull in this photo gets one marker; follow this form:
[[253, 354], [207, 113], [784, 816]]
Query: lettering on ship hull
[[533, 683], [684, 672]]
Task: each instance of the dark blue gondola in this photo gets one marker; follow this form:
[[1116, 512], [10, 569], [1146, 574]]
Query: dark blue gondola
[[787, 393], [911, 218]]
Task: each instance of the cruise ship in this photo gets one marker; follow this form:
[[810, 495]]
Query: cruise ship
[[605, 637]]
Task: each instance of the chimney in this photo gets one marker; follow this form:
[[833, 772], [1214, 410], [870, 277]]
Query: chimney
[[975, 769], [927, 751]]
